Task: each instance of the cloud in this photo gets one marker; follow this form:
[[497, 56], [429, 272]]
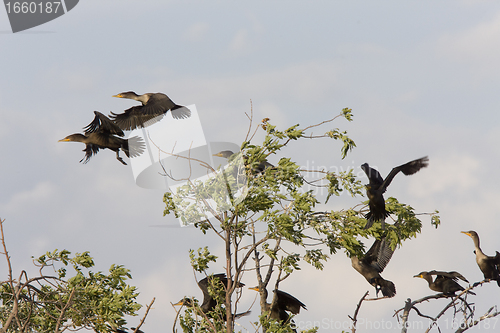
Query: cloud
[[196, 32], [477, 47], [240, 42], [452, 173], [40, 194]]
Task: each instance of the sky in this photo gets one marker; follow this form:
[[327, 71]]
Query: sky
[[421, 77]]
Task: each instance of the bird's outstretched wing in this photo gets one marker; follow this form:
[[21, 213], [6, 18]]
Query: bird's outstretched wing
[[379, 255], [180, 112], [407, 169], [102, 124], [159, 103], [90, 150], [203, 283], [133, 118], [288, 302], [451, 275]]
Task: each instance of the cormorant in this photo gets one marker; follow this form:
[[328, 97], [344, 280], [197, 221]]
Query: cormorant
[[154, 107], [445, 282], [377, 186], [257, 169], [209, 303], [118, 330], [285, 302], [102, 133], [373, 263], [490, 266]]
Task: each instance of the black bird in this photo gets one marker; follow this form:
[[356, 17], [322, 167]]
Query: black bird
[[102, 133], [490, 266], [154, 107], [118, 330], [285, 302], [256, 169], [445, 282], [373, 263], [209, 303], [377, 187]]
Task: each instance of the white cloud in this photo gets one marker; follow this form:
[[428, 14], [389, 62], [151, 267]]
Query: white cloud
[[41, 193], [196, 32], [240, 42], [451, 173], [477, 47]]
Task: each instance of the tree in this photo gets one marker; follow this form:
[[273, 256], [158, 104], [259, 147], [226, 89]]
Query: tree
[[463, 311], [274, 224], [54, 302]]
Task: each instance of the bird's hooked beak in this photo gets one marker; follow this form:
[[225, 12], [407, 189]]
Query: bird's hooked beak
[[181, 302], [254, 288], [218, 155], [119, 96], [63, 140], [419, 276], [467, 233]]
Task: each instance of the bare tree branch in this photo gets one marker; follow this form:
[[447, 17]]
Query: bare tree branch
[[355, 317]]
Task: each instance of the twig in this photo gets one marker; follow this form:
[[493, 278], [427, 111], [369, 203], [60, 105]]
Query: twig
[[250, 118], [323, 122], [63, 311], [355, 317], [145, 315], [13, 313], [487, 315]]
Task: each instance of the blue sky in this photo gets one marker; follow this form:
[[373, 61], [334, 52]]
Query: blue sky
[[422, 79]]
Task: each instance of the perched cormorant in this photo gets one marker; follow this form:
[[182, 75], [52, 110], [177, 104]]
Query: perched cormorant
[[257, 169], [285, 302], [154, 107], [209, 303], [373, 263], [118, 330], [377, 186], [445, 282], [102, 133], [490, 266]]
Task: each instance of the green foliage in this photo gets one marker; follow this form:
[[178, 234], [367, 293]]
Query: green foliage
[[200, 262], [48, 303], [345, 180], [273, 325], [277, 209], [435, 219], [348, 143]]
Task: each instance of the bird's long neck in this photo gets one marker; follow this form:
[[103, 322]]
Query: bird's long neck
[[476, 243], [356, 264], [479, 252], [428, 278]]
